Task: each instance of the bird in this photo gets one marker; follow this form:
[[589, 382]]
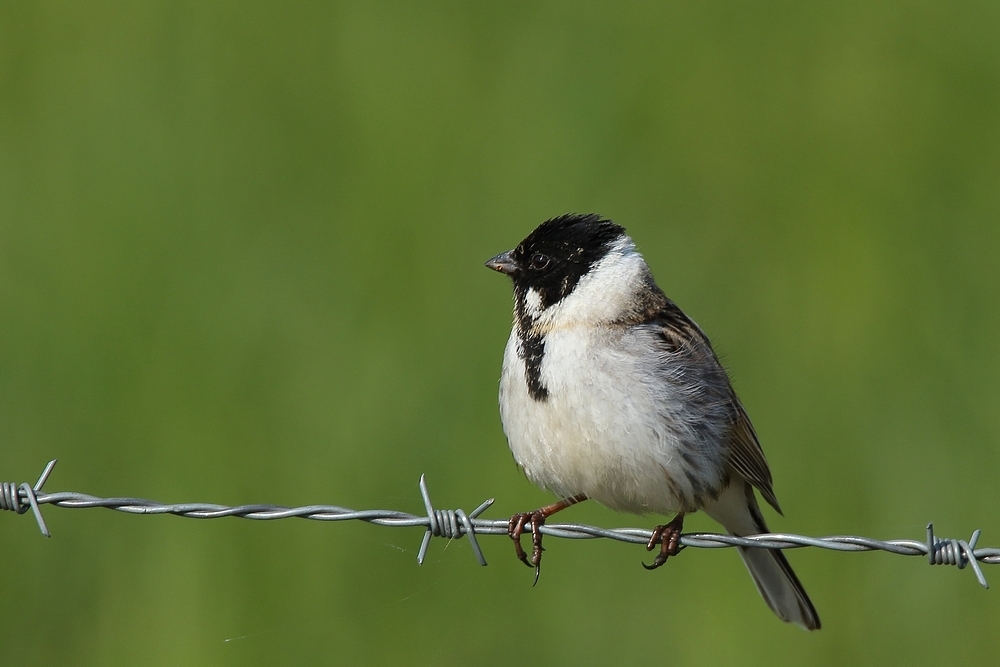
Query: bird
[[609, 392]]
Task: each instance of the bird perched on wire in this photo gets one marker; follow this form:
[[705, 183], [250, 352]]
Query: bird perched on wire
[[610, 392]]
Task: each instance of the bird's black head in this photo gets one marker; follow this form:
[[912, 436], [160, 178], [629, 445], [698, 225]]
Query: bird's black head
[[553, 258]]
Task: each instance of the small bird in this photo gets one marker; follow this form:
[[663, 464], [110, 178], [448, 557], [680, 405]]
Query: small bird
[[610, 392]]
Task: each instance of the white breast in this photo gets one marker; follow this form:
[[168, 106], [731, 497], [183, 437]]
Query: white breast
[[610, 427]]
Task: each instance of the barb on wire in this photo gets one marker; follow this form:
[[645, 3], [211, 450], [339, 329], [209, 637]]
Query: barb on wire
[[453, 524], [22, 497]]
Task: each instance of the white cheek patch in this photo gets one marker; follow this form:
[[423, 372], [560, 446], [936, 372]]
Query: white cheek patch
[[533, 303]]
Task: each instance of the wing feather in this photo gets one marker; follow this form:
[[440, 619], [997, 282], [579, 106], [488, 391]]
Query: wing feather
[[747, 458], [680, 335]]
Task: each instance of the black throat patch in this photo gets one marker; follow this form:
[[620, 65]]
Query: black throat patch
[[531, 349]]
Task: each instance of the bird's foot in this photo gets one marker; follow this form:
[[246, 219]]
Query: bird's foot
[[669, 538], [516, 526], [536, 520]]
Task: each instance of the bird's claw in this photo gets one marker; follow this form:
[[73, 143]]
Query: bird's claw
[[516, 526], [669, 538]]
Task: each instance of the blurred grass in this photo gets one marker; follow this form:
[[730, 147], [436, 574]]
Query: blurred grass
[[241, 255]]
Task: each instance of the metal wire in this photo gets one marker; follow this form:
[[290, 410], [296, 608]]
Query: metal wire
[[453, 524]]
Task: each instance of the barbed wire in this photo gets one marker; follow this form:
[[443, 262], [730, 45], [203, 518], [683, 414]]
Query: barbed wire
[[454, 524]]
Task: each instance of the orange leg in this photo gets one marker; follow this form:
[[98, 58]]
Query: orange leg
[[536, 519]]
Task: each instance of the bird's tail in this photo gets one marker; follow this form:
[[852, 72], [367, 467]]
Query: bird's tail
[[737, 510]]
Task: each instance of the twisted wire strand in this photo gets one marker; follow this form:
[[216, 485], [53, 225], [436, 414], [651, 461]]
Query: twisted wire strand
[[453, 524]]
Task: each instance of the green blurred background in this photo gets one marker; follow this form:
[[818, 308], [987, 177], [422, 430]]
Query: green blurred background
[[241, 260]]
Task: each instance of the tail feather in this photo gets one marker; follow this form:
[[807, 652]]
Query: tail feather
[[779, 587], [737, 510]]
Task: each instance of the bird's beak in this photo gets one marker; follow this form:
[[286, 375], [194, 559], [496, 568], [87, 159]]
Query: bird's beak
[[503, 263]]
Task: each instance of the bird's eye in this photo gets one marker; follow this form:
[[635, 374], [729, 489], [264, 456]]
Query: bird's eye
[[539, 261]]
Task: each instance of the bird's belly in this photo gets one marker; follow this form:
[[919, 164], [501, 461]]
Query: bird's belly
[[607, 429]]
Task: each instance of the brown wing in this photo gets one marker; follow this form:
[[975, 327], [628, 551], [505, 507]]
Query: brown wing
[[747, 458], [680, 333]]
